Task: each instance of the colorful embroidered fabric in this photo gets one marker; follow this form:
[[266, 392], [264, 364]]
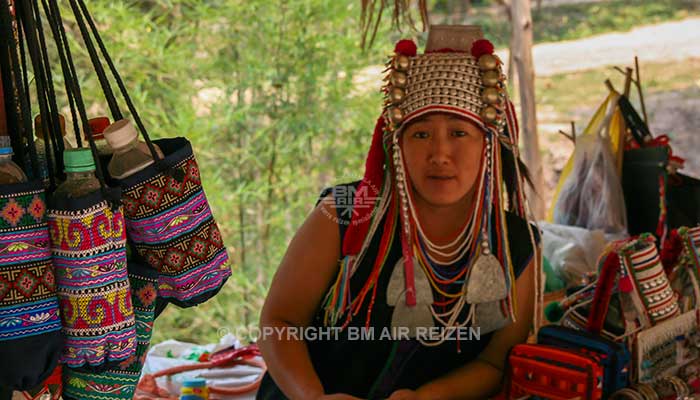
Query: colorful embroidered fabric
[[642, 259], [681, 258], [29, 320], [120, 382], [89, 250], [169, 220]]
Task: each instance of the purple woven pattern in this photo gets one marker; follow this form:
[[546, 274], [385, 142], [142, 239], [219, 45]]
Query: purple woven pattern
[[89, 250], [169, 220], [28, 302]]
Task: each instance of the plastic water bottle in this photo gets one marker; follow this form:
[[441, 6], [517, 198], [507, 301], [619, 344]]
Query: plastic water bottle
[[9, 171], [97, 127], [130, 154], [80, 174], [40, 146], [194, 389]]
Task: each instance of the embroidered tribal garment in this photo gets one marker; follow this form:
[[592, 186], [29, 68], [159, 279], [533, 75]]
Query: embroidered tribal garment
[[89, 250], [659, 302], [172, 226], [28, 303], [120, 382], [29, 321]]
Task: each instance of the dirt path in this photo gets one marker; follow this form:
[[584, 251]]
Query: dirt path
[[670, 41]]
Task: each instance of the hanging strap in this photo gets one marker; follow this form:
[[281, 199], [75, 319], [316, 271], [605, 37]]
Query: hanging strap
[[61, 40], [640, 130], [20, 126], [603, 292], [101, 76], [26, 14], [74, 88], [57, 137], [99, 70]]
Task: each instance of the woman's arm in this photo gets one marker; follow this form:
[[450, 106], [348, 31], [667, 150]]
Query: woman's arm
[[482, 377], [309, 265]]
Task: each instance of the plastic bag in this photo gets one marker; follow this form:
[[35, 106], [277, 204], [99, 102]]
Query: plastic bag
[[173, 353], [592, 196], [572, 251]]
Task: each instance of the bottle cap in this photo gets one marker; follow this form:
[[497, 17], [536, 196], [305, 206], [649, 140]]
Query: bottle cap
[[120, 134], [78, 160], [4, 151], [98, 126], [194, 383], [38, 129]]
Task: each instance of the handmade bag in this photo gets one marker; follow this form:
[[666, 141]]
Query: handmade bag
[[167, 213], [662, 350], [169, 220], [634, 268], [30, 325], [553, 373], [681, 258], [656, 200], [662, 339], [120, 382], [30, 336], [614, 357], [88, 242]]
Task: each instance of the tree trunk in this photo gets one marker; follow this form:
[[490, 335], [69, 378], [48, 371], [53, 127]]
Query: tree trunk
[[522, 56]]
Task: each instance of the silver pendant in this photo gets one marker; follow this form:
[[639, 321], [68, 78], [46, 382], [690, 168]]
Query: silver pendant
[[396, 290], [489, 317], [405, 320], [487, 280]]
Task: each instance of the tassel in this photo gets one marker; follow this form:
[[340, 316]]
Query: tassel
[[372, 182], [625, 284]]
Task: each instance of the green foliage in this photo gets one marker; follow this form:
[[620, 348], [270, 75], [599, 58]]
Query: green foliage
[[265, 92]]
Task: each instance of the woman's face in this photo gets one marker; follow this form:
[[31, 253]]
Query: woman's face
[[443, 157]]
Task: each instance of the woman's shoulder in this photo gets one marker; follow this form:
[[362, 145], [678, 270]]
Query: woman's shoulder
[[340, 191]]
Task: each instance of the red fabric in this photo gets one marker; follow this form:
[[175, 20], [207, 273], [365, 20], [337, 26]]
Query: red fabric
[[671, 250], [626, 284], [406, 47], [481, 47], [367, 193], [603, 292], [553, 373]]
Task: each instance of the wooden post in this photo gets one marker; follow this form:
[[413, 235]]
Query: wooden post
[[522, 56]]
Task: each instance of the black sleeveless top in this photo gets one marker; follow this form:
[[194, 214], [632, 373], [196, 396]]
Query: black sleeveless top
[[373, 369]]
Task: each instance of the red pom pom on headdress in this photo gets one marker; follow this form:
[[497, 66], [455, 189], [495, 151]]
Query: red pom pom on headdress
[[406, 47], [481, 47]]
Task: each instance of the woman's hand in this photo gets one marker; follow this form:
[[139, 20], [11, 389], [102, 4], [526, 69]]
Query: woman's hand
[[404, 394]]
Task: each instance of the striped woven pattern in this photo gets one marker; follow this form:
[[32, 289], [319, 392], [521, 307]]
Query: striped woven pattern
[[172, 227], [660, 301], [28, 302], [120, 382], [89, 250]]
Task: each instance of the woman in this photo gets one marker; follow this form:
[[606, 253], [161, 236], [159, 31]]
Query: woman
[[435, 244]]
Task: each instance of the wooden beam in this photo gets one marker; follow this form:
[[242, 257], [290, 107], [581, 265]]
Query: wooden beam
[[522, 57]]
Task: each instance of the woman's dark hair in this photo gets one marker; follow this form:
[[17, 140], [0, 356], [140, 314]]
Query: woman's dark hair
[[509, 176]]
